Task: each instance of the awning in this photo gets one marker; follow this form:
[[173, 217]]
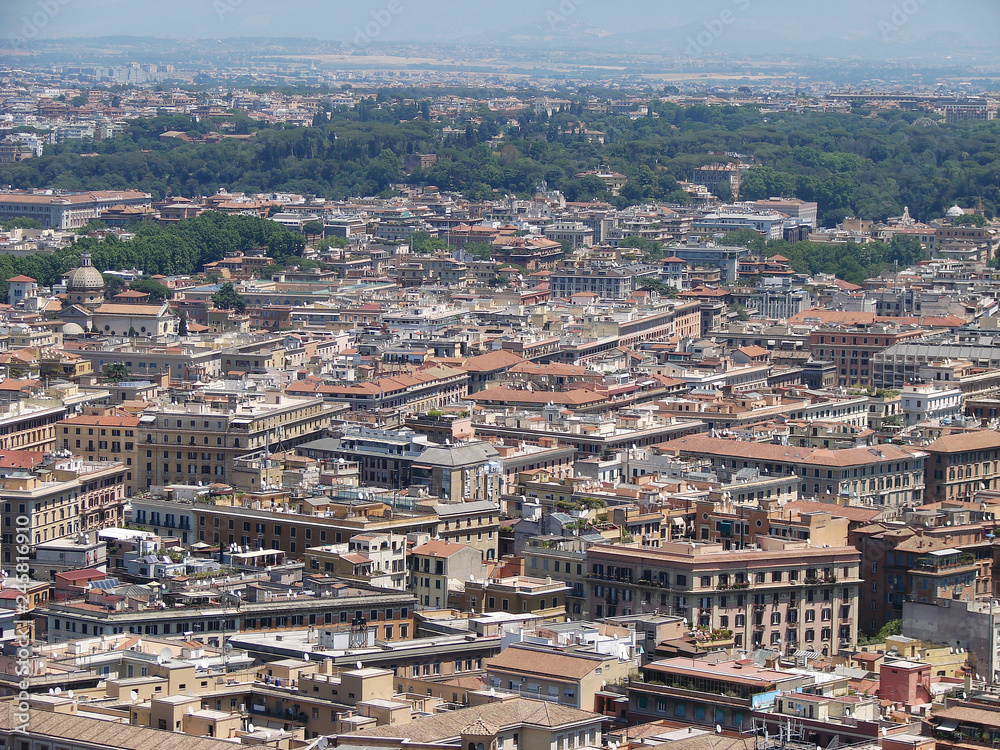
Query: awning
[[947, 725]]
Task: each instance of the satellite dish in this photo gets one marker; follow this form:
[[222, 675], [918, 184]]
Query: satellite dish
[[58, 691], [133, 695], [322, 744], [69, 693], [884, 731], [305, 656], [251, 728], [357, 664], [190, 710], [718, 729], [267, 735]]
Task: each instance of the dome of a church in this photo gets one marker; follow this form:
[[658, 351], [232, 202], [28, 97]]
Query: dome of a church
[[955, 211], [86, 278], [72, 329]]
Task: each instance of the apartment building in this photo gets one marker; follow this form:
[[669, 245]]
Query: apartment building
[[853, 350], [605, 282], [105, 436], [433, 564], [425, 389], [63, 496], [388, 615], [883, 475], [497, 722], [961, 464], [402, 459], [30, 426], [695, 691], [518, 594], [805, 210], [767, 223], [66, 210], [907, 561], [576, 233], [726, 258], [378, 559], [906, 361], [199, 440], [930, 401], [593, 436], [569, 676], [566, 560], [786, 594]]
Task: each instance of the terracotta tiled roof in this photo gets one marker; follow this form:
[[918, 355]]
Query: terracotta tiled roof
[[783, 453], [78, 731], [150, 311], [491, 361], [542, 663], [517, 712], [104, 420], [965, 441], [509, 395], [437, 548]]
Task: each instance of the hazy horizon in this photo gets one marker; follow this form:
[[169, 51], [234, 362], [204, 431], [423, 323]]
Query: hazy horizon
[[872, 29]]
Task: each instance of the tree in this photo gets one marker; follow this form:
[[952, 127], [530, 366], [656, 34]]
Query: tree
[[906, 250], [893, 627], [227, 298], [93, 225], [116, 372], [649, 247], [659, 286], [970, 220], [422, 242], [21, 222], [313, 228], [478, 250], [113, 285], [157, 292], [746, 238]]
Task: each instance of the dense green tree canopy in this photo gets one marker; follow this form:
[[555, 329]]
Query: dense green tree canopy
[[157, 292], [227, 298], [181, 248], [851, 164]]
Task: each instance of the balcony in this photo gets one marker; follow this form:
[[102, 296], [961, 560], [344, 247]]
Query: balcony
[[738, 585], [730, 697], [935, 563]]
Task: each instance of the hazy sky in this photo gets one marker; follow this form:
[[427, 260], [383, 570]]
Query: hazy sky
[[870, 28]]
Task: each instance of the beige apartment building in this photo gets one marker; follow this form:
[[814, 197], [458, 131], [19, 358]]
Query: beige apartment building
[[199, 441], [785, 594], [570, 677], [62, 497], [107, 436], [881, 475]]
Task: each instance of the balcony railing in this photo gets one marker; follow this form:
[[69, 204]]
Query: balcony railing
[[930, 562]]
